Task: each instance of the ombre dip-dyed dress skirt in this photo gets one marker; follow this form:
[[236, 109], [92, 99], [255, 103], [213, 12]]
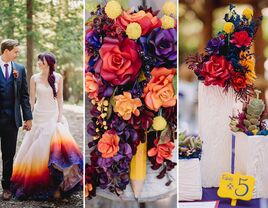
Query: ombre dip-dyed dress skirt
[[49, 160]]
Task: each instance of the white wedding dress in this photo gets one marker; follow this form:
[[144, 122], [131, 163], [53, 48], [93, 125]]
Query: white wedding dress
[[49, 158]]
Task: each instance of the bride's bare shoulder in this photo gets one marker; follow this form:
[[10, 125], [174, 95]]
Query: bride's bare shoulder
[[34, 77]]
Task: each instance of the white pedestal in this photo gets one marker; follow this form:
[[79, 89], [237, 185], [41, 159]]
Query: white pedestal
[[251, 158], [190, 187], [214, 110]]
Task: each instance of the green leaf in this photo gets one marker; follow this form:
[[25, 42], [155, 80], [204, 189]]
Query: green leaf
[[111, 104], [109, 112], [165, 136], [141, 77]]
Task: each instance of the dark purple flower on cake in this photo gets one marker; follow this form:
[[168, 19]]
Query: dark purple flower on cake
[[114, 172], [123, 130], [214, 45], [105, 90], [91, 129], [93, 42], [105, 162], [162, 44]]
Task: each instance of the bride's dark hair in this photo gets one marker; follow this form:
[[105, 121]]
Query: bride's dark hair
[[51, 61]]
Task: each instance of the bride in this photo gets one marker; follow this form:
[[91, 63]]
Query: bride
[[49, 162]]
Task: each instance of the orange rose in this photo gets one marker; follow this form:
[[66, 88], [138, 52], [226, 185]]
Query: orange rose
[[109, 144], [161, 151], [92, 86], [145, 19], [160, 92], [125, 105], [88, 189]]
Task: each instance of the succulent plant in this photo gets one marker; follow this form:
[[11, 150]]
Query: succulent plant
[[254, 111], [233, 125], [189, 146], [250, 118]]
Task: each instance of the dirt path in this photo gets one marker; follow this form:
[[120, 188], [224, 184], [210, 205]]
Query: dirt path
[[74, 115]]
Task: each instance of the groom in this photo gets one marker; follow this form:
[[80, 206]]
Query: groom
[[13, 97]]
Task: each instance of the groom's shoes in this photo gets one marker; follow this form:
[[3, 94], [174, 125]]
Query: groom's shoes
[[6, 194]]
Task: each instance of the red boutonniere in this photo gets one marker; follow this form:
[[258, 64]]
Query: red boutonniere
[[15, 73]]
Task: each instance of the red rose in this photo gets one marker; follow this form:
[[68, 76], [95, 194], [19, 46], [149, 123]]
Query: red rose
[[146, 20], [238, 81], [241, 39], [119, 62], [216, 71]]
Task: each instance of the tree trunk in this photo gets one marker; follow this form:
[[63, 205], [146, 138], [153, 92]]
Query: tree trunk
[[29, 39], [259, 46], [11, 24], [66, 92], [207, 19]]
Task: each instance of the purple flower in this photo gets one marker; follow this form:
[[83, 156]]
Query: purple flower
[[91, 129], [161, 44], [114, 172], [105, 162], [214, 45], [93, 43], [123, 130], [105, 90]]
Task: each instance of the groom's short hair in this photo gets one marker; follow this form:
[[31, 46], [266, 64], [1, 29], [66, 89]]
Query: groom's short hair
[[8, 44]]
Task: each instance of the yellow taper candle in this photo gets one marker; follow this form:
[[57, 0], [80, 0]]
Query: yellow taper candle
[[138, 169]]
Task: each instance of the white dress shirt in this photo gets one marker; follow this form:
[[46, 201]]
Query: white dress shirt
[[2, 63]]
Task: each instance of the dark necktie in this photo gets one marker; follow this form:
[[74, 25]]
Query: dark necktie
[[6, 75]]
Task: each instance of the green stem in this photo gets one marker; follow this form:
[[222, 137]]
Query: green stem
[[160, 112]]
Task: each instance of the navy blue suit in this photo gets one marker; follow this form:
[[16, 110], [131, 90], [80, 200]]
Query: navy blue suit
[[14, 97]]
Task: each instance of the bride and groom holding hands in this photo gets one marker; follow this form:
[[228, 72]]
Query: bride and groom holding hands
[[49, 162]]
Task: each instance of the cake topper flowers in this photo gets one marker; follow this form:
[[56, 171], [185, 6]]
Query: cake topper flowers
[[130, 80], [228, 61]]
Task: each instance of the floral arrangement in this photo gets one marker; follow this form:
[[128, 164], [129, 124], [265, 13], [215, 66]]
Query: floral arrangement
[[228, 62], [15, 73], [189, 146], [251, 119], [130, 81]]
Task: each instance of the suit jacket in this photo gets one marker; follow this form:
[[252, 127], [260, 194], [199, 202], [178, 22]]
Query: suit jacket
[[21, 95]]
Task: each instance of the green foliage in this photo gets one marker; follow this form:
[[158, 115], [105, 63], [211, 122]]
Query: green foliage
[[57, 27]]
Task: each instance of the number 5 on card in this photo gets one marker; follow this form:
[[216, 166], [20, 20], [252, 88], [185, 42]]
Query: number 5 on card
[[236, 186]]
